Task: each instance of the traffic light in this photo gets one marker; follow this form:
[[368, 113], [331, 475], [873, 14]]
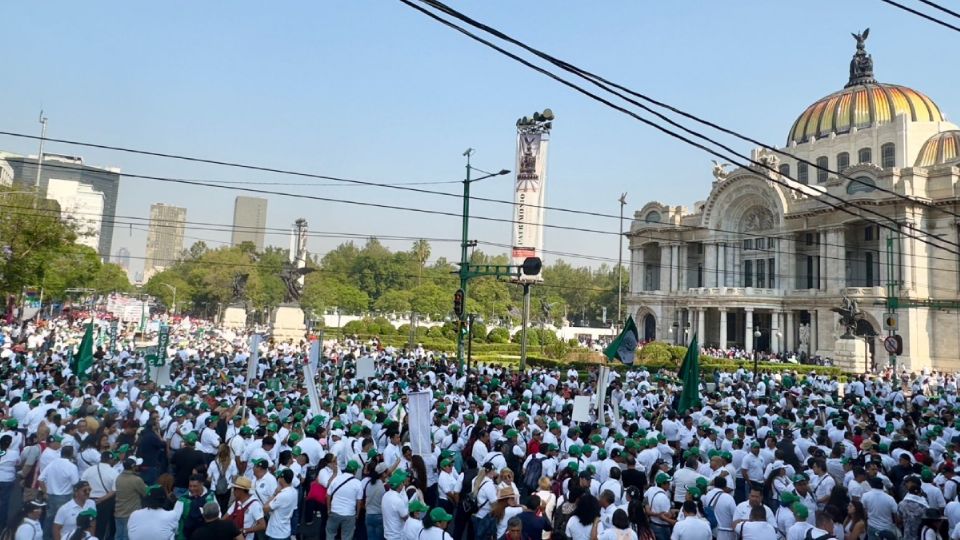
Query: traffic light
[[458, 303], [531, 266], [890, 321]]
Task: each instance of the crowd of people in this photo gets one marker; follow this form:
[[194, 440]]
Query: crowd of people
[[199, 449]]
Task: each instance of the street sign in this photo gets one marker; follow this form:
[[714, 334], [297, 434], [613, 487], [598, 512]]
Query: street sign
[[113, 336], [890, 321], [163, 341], [893, 344]]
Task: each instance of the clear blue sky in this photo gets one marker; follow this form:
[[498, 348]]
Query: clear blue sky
[[373, 90]]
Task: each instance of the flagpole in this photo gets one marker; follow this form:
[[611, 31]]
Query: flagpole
[[623, 202]]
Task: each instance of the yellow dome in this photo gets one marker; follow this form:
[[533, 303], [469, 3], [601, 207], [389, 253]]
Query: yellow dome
[[942, 148], [862, 105]]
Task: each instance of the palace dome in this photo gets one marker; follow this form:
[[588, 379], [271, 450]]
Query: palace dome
[[862, 103], [944, 147], [861, 106]]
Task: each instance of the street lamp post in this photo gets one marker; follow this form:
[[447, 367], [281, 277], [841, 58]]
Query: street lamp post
[[623, 202], [174, 289], [756, 353], [464, 271]]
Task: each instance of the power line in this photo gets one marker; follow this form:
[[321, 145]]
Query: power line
[[808, 191], [941, 8], [602, 83], [921, 14]]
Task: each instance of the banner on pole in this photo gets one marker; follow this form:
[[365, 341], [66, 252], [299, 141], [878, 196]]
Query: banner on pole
[[163, 341], [418, 421], [315, 347], [254, 358], [311, 381], [113, 335], [533, 137], [365, 368], [581, 409]]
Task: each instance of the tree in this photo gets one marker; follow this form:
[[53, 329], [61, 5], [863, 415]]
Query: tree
[[395, 301], [421, 250], [111, 278], [30, 238]]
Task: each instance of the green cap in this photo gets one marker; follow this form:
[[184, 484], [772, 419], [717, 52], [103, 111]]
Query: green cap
[[694, 492], [662, 478], [445, 463], [397, 478], [372, 453], [296, 451], [439, 514], [417, 506], [573, 466], [352, 466], [800, 477], [800, 510], [788, 498], [511, 433], [89, 512], [191, 438], [702, 483]]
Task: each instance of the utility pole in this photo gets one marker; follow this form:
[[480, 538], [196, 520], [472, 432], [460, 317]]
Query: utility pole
[[623, 202], [43, 135], [464, 262]]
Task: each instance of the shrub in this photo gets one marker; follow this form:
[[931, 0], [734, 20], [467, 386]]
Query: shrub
[[498, 335], [403, 330], [358, 327], [677, 352], [382, 326], [655, 349], [479, 331]]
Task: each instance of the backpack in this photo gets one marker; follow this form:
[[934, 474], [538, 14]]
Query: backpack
[[469, 503], [239, 514], [531, 475], [560, 519], [809, 536], [710, 512], [223, 486]]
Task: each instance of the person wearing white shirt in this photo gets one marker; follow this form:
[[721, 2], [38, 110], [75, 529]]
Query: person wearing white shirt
[[102, 478], [692, 526], [246, 504], [745, 510], [30, 528], [757, 527], [152, 522], [65, 520], [413, 526], [881, 509], [345, 494], [394, 507], [479, 450], [281, 508], [724, 507], [449, 484]]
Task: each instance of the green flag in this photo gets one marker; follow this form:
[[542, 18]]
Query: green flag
[[85, 354], [624, 347], [690, 377]]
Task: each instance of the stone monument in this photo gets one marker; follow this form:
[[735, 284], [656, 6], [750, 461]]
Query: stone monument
[[850, 351], [288, 321], [235, 316]]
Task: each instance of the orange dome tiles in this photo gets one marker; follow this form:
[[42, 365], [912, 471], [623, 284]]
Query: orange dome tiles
[[862, 106]]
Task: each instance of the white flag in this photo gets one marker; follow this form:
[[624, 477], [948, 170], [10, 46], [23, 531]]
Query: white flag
[[254, 359]]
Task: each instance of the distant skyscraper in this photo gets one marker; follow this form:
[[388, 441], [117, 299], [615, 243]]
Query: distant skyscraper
[[86, 195], [249, 220], [123, 258], [164, 237]]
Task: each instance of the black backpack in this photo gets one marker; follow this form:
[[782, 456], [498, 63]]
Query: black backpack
[[532, 474], [469, 503]]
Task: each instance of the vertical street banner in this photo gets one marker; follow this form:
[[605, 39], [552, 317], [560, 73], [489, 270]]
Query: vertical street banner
[[254, 359], [315, 347], [163, 341], [533, 137], [418, 420], [113, 335], [309, 379]]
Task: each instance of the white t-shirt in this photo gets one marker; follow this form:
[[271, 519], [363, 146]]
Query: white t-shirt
[[253, 513], [346, 491], [394, 508], [578, 531], [67, 516], [281, 510], [154, 524], [692, 528], [617, 534], [755, 530], [102, 479], [508, 513]]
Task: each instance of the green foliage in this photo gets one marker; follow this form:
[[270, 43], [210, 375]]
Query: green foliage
[[355, 327], [479, 331], [498, 335], [678, 352]]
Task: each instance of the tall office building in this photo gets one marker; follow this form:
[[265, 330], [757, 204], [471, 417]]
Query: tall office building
[[123, 258], [164, 237], [249, 220], [87, 195]]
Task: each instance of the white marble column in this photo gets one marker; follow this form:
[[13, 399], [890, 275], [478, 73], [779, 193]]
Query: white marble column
[[814, 333], [788, 272], [822, 266], [731, 265], [789, 332], [674, 267], [702, 325], [774, 328], [723, 328], [710, 269], [837, 259], [665, 274], [748, 331], [908, 249], [682, 252], [721, 265], [636, 270]]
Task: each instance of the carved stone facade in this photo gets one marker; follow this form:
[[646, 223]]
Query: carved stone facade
[[762, 261]]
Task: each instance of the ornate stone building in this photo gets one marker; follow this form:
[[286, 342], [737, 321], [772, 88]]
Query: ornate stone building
[[763, 260]]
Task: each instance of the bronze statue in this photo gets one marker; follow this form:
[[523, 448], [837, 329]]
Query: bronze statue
[[239, 288], [861, 65], [850, 314], [290, 275]]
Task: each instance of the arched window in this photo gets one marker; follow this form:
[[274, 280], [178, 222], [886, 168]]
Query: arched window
[[862, 184], [888, 155], [864, 155], [653, 217], [843, 161], [822, 165], [785, 169], [803, 175]]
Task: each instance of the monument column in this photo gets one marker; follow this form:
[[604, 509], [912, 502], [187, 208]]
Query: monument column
[[721, 265], [681, 267], [702, 325], [723, 328], [710, 269], [748, 330], [789, 332], [665, 274], [774, 329], [636, 270], [814, 333], [822, 263]]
